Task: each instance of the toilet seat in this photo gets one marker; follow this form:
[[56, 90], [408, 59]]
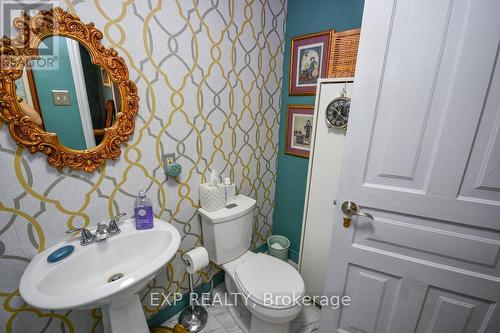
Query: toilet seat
[[269, 282]]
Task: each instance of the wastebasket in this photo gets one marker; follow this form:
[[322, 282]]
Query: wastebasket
[[278, 246]]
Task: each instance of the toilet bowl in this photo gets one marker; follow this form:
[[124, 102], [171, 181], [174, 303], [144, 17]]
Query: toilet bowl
[[269, 290]]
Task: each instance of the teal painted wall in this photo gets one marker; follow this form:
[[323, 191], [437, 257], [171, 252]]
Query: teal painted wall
[[303, 17], [63, 120]]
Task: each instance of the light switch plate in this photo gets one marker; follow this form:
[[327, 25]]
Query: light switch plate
[[61, 97]]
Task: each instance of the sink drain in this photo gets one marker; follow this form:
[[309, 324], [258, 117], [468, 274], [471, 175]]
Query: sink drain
[[115, 277]]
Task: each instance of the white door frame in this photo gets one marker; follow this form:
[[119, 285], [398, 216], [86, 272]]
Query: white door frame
[[322, 187]]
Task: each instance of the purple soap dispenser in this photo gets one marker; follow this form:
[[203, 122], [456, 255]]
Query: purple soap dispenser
[[143, 210]]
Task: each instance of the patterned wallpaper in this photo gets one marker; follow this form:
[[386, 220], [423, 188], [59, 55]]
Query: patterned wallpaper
[[209, 75]]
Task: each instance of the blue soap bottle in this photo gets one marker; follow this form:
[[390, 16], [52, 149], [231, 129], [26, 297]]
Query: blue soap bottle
[[143, 210]]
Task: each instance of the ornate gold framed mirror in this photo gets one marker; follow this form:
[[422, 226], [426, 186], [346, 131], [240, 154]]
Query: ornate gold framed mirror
[[63, 93]]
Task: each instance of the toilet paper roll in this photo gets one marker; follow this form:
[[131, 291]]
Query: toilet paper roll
[[196, 259]]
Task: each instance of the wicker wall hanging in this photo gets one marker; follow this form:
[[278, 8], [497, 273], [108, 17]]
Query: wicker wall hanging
[[344, 50]]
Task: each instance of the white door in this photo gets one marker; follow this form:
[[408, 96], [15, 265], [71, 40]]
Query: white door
[[422, 155]]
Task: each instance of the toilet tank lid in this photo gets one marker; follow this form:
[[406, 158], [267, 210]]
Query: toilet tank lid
[[239, 207]]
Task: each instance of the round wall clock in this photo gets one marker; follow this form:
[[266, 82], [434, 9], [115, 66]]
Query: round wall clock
[[337, 112]]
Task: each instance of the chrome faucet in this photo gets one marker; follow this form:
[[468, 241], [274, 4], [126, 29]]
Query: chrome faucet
[[102, 232]]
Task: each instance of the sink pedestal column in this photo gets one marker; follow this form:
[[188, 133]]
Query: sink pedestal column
[[124, 315]]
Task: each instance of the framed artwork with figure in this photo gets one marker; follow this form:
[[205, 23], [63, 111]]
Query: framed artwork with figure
[[106, 80], [309, 62], [299, 130]]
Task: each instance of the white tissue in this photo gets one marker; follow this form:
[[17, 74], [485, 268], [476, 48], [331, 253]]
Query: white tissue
[[277, 246], [196, 259], [214, 178]]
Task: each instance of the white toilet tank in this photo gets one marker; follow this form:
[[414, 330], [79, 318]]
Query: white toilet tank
[[227, 232]]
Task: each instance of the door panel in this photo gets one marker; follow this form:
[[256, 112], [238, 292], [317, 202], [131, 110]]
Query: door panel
[[444, 311], [398, 157], [422, 155], [433, 241], [371, 292], [482, 176]]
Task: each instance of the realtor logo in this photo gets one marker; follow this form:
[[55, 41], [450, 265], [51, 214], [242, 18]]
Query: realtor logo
[[11, 28]]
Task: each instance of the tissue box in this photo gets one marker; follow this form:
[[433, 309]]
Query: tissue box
[[212, 197]]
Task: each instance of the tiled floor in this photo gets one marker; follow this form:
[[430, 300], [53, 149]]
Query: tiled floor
[[220, 320]]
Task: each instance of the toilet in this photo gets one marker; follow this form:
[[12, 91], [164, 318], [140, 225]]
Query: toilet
[[269, 290]]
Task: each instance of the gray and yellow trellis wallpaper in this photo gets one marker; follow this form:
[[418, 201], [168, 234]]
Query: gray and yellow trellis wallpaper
[[209, 74]]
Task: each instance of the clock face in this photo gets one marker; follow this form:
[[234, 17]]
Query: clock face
[[337, 112]]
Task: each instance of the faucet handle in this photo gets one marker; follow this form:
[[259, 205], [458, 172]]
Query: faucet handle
[[86, 236], [117, 217], [113, 226]]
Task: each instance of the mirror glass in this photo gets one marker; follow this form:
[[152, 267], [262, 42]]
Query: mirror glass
[[65, 93]]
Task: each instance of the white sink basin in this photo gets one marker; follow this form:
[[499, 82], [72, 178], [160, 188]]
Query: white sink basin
[[80, 280]]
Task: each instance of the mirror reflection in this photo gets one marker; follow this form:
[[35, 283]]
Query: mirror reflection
[[65, 93]]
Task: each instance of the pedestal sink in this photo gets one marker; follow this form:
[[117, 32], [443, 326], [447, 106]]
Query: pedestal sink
[[83, 280]]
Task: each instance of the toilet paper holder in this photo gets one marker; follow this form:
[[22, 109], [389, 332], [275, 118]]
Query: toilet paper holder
[[195, 317]]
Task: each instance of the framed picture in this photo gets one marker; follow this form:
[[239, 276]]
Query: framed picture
[[106, 80], [299, 129], [309, 62]]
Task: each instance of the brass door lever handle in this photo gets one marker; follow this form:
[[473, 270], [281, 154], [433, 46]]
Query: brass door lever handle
[[350, 209]]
